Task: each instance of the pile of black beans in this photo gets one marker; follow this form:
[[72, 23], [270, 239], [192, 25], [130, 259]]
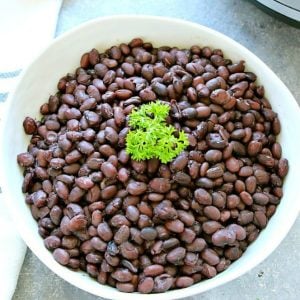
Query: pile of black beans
[[142, 225]]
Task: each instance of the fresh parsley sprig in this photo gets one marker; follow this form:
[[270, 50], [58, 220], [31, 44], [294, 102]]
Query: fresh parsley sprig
[[151, 137]]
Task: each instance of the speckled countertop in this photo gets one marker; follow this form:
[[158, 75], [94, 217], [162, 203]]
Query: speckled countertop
[[278, 45]]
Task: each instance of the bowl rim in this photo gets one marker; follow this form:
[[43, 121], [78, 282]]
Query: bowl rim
[[6, 193]]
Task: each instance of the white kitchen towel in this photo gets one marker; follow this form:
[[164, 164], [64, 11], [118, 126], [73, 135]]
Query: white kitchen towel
[[26, 26]]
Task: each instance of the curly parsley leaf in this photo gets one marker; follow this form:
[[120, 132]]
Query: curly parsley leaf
[[151, 137]]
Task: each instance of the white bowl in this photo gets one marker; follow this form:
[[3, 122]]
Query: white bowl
[[39, 80]]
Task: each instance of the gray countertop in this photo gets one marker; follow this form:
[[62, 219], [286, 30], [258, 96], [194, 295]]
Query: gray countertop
[[278, 45]]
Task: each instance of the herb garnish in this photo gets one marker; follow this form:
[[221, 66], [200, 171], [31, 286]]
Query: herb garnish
[[151, 136]]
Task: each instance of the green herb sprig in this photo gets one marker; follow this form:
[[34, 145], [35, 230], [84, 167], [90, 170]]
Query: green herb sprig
[[151, 137]]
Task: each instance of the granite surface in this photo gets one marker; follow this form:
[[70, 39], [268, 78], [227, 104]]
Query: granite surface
[[278, 45]]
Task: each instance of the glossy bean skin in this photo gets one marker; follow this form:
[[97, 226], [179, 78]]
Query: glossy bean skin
[[147, 226]]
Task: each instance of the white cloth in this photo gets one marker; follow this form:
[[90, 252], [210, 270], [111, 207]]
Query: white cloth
[[26, 26]]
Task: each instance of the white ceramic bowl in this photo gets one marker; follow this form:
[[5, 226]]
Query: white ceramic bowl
[[39, 80]]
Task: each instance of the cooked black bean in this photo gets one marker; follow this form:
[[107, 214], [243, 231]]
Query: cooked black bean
[[136, 225], [109, 170], [104, 232], [148, 233], [210, 226], [29, 125], [122, 234], [125, 287], [146, 285], [52, 242], [176, 255], [153, 270], [162, 283], [84, 182], [122, 275], [184, 281], [129, 251], [136, 188], [25, 159], [210, 256], [203, 197], [61, 256], [160, 185], [175, 226]]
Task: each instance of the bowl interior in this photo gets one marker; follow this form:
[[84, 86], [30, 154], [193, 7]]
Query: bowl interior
[[63, 55]]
